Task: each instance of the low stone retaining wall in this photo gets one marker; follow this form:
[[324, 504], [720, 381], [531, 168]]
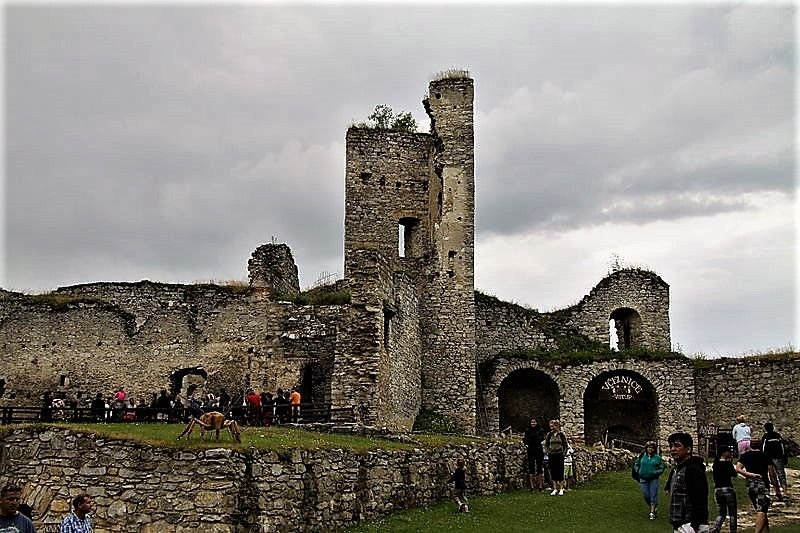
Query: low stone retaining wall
[[148, 489]]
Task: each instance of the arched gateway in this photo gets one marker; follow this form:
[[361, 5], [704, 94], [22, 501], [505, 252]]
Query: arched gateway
[[620, 405], [527, 393]]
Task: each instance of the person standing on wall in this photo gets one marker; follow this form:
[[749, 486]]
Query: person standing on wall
[[532, 439], [724, 493], [556, 446], [772, 445], [79, 520], [10, 517], [742, 434], [753, 465], [650, 466], [687, 486]]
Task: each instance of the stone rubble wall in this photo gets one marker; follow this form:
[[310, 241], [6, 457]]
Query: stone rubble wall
[[147, 490], [271, 266], [763, 390], [140, 333], [640, 290], [504, 326], [448, 309], [671, 380]]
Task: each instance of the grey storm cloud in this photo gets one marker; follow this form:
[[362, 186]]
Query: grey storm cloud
[[167, 142]]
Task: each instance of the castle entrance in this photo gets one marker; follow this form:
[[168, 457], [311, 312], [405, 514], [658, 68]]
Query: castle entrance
[[524, 394], [620, 408], [188, 381]]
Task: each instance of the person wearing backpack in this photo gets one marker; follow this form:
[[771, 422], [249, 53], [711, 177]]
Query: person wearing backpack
[[555, 443], [650, 465]]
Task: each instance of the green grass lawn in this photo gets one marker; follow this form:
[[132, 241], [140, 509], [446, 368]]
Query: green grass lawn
[[609, 503], [277, 438]]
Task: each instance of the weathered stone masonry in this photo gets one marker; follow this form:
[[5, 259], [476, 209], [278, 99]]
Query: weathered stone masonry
[[154, 490], [414, 336]]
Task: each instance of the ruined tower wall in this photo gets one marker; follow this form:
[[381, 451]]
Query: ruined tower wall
[[271, 266], [503, 326], [238, 340], [388, 184], [642, 291], [763, 390], [448, 311], [401, 361]]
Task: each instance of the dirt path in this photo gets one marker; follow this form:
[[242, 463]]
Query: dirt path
[[780, 514]]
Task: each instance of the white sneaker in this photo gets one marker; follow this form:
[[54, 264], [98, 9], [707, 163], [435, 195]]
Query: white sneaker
[[561, 492], [554, 492]]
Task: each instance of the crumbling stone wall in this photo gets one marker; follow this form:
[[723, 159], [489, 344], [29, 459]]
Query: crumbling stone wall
[[422, 184], [671, 380], [272, 266], [633, 297], [448, 314], [136, 335], [147, 489], [763, 390]]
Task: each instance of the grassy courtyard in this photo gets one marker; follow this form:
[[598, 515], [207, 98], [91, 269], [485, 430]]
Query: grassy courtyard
[[609, 503]]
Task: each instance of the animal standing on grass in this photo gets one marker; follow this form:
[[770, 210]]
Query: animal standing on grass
[[213, 421]]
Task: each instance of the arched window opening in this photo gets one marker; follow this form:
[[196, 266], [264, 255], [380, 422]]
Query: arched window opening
[[613, 339], [627, 324], [526, 394]]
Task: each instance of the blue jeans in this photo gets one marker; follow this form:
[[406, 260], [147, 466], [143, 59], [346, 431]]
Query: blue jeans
[[649, 489]]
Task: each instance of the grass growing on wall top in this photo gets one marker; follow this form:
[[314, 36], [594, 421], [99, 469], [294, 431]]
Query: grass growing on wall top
[[592, 353], [787, 353], [315, 297], [275, 438]]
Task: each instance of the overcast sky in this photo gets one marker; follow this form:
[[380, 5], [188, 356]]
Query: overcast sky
[[166, 143]]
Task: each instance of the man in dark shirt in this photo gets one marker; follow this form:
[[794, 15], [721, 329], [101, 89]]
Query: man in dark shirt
[[753, 465], [10, 517], [772, 446], [687, 486]]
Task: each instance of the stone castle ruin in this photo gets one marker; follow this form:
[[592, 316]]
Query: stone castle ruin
[[408, 334]]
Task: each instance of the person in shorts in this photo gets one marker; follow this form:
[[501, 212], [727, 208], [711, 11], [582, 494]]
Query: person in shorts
[[753, 465]]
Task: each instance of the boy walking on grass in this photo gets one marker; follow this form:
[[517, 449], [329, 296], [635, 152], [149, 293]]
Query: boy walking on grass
[[459, 478]]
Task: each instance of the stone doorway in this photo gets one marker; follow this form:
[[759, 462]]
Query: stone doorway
[[315, 384], [189, 382], [524, 394], [620, 406]]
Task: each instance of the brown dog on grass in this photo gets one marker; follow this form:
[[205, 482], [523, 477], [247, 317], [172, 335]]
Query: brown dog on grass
[[213, 421]]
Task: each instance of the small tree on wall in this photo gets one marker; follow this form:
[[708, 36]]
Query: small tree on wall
[[384, 118]]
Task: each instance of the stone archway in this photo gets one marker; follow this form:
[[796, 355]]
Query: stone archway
[[628, 326], [621, 405], [527, 393], [188, 381]]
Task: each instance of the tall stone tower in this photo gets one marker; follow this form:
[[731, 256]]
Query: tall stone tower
[[448, 304], [409, 261]]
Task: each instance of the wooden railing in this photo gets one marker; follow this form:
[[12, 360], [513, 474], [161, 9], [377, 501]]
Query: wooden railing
[[308, 413]]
